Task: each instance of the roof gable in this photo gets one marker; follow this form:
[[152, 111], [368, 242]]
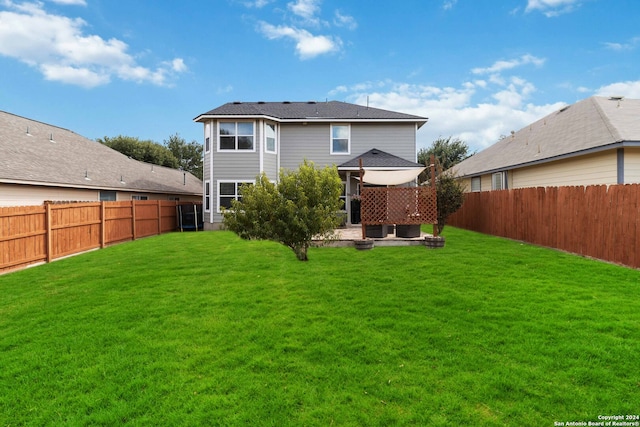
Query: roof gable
[[379, 159], [316, 111], [37, 153], [591, 124]]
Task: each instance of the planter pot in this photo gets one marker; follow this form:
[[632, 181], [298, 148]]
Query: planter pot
[[376, 231], [432, 242], [363, 245], [408, 231]]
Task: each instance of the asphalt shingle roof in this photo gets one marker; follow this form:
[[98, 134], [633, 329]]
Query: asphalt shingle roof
[[375, 158], [591, 124], [37, 153], [320, 111]]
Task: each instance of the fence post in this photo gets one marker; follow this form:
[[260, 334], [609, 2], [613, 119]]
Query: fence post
[[49, 237], [133, 219], [159, 217], [103, 224]]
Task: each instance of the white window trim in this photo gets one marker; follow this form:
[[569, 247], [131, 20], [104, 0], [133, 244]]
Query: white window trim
[[275, 131], [235, 181], [207, 135], [340, 153], [236, 150], [207, 185], [503, 180]]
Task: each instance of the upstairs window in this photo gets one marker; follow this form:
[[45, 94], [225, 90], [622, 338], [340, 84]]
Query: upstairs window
[[270, 138], [340, 139], [236, 136]]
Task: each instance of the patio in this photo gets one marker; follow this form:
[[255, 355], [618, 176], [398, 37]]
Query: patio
[[349, 235]]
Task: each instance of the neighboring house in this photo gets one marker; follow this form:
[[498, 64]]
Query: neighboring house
[[594, 141], [244, 139], [40, 162]]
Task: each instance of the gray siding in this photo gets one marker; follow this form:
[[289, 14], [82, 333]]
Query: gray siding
[[312, 142], [395, 138], [270, 164]]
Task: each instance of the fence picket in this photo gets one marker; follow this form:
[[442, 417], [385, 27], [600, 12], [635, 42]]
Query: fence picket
[[595, 221], [35, 234]]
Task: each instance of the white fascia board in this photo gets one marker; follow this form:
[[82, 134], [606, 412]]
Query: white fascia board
[[204, 117]]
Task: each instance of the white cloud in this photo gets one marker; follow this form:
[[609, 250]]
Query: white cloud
[[345, 21], [552, 8], [307, 45], [454, 111], [499, 66], [258, 4], [57, 46], [70, 2], [305, 8], [448, 4], [631, 44], [629, 89]]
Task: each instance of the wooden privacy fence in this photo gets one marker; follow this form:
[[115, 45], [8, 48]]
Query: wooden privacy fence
[[596, 221], [34, 234]]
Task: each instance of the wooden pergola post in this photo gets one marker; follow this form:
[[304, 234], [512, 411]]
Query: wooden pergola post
[[364, 233], [432, 160]]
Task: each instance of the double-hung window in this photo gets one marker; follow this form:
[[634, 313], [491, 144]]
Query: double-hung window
[[270, 138], [229, 191], [476, 184], [340, 139], [207, 196], [236, 136], [499, 181]]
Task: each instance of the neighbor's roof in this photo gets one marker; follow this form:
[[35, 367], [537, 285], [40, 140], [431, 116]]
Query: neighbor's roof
[[591, 125], [36, 153], [378, 159], [308, 111]]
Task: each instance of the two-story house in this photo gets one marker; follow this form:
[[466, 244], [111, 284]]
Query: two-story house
[[245, 139]]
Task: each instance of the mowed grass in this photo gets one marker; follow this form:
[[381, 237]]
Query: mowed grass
[[207, 329]]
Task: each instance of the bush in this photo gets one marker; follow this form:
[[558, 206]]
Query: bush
[[303, 204]]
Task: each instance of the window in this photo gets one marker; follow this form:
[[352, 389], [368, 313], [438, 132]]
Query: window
[[236, 136], [498, 181], [270, 138], [343, 195], [476, 184], [340, 139], [229, 191], [207, 139], [139, 198], [207, 196], [107, 196]]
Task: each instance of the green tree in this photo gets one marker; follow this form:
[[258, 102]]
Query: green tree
[[447, 151], [303, 204], [144, 151], [189, 155], [449, 190], [449, 195]]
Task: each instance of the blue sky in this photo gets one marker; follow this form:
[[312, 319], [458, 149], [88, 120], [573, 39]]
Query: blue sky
[[478, 69]]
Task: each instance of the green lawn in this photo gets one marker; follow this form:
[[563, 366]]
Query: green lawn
[[206, 329]]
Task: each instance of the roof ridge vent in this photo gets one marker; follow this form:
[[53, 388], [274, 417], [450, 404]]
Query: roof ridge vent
[[261, 102], [311, 102], [616, 98], [237, 102], [286, 102]]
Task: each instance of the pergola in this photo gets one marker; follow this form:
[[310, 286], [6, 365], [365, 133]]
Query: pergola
[[391, 204]]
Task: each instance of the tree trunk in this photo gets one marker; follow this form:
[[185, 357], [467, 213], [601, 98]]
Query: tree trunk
[[300, 251]]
